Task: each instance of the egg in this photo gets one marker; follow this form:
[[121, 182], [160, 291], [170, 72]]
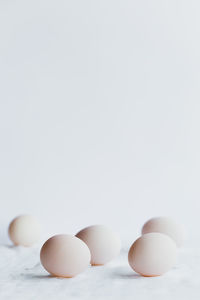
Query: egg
[[153, 254], [65, 255], [167, 226], [104, 244], [24, 230]]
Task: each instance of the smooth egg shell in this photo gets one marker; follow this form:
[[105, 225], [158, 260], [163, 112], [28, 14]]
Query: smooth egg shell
[[167, 226], [65, 255], [104, 244], [152, 254], [24, 230]]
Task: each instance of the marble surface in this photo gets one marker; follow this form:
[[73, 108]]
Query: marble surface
[[23, 277]]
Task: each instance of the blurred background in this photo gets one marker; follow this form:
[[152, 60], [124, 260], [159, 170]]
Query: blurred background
[[99, 113]]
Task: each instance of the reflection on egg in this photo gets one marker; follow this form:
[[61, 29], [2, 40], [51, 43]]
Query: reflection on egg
[[24, 230], [65, 256], [152, 254], [103, 243], [167, 226]]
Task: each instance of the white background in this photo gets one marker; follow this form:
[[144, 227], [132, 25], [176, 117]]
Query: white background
[[99, 112]]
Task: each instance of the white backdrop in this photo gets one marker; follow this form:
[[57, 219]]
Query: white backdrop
[[99, 112]]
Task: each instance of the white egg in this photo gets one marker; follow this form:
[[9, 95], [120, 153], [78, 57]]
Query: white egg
[[24, 230], [103, 243], [65, 256], [167, 226], [152, 254]]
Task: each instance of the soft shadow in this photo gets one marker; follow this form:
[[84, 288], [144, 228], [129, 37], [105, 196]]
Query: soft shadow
[[127, 276], [123, 273], [8, 246], [35, 276], [40, 277]]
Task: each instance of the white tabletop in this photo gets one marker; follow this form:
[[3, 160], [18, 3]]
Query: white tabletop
[[23, 277]]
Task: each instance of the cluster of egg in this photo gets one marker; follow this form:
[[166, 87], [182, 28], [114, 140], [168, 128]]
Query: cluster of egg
[[153, 254]]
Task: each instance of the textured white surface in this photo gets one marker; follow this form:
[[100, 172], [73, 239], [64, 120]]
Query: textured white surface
[[99, 123], [22, 277]]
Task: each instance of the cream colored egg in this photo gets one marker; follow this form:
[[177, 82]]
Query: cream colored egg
[[65, 255], [104, 244], [24, 230], [153, 254], [167, 226]]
